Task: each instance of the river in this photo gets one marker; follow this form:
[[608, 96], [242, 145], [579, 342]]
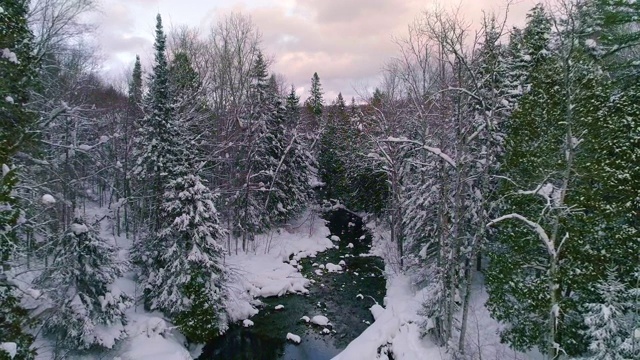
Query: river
[[344, 298]]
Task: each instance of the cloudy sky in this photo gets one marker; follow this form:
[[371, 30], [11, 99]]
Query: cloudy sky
[[345, 41]]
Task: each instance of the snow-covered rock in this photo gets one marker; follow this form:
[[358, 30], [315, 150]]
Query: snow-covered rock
[[320, 320], [350, 245], [319, 272], [326, 331], [305, 318], [293, 338], [293, 262], [360, 296], [335, 238], [333, 267], [342, 263], [247, 323], [279, 307]]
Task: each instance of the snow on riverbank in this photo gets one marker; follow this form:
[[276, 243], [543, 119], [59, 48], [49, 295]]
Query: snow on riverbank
[[397, 329], [265, 271]]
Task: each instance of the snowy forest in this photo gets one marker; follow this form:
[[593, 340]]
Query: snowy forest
[[496, 167]]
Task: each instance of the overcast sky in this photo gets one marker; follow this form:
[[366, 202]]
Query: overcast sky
[[345, 41]]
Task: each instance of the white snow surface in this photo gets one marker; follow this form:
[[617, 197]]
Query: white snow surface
[[10, 56], [10, 347], [264, 273], [397, 324], [48, 199], [333, 267], [247, 323], [79, 228]]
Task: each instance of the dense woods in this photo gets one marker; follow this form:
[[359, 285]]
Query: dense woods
[[503, 155]]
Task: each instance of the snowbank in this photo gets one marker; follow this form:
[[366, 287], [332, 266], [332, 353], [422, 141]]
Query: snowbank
[[396, 326], [267, 272]]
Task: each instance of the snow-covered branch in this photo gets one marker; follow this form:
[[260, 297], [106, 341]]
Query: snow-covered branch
[[542, 234]]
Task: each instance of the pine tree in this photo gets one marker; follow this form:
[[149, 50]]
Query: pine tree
[[609, 321], [254, 163], [293, 171], [17, 79], [135, 86], [315, 102], [156, 143], [188, 288], [88, 310]]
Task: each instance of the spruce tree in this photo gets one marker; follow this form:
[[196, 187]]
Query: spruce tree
[[315, 102], [156, 142], [135, 86], [88, 311], [17, 80], [253, 162], [188, 287], [608, 323]]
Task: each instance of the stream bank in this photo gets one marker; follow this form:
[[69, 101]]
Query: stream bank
[[344, 297]]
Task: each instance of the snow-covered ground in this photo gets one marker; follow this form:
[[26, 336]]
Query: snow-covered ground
[[396, 328], [267, 270], [262, 272]]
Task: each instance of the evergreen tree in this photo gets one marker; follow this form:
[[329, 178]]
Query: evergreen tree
[[135, 86], [292, 105], [609, 321], [255, 166], [517, 277], [315, 102], [156, 143], [17, 79], [88, 310], [293, 172], [188, 288]]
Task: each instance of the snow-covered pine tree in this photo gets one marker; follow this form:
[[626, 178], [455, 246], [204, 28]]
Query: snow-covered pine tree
[[255, 167], [156, 140], [290, 189], [188, 287], [610, 321], [314, 105], [87, 309], [17, 78]]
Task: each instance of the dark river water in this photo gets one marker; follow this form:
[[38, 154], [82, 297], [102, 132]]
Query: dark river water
[[334, 295]]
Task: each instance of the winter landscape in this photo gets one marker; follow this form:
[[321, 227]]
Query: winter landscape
[[477, 198]]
